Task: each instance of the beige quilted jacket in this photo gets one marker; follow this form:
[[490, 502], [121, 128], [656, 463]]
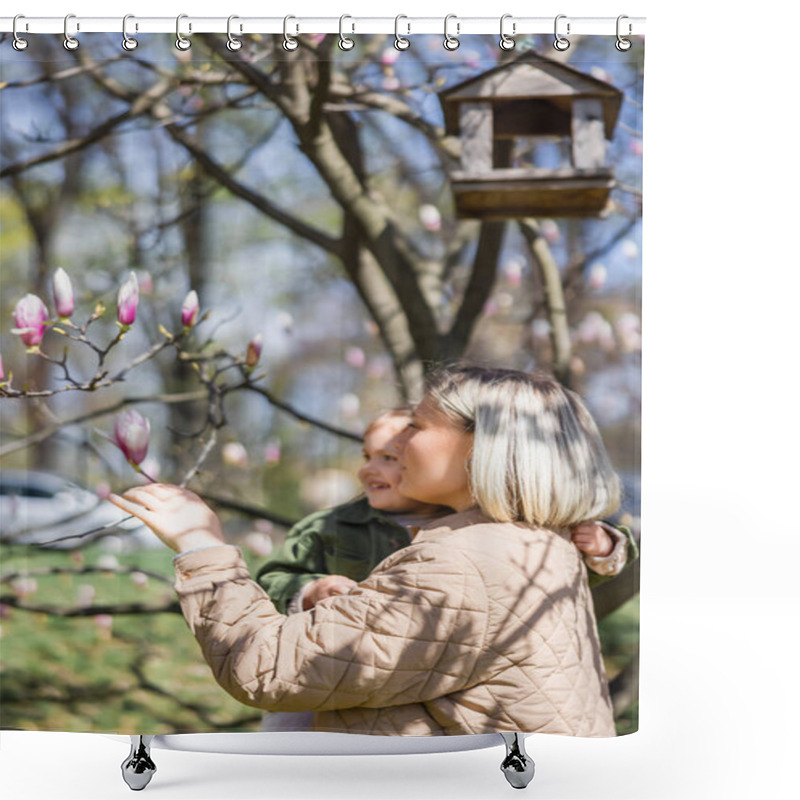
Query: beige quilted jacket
[[476, 627]]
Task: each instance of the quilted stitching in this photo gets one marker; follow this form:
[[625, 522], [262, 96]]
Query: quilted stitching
[[476, 627]]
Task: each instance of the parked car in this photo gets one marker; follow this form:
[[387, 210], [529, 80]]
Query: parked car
[[46, 509]]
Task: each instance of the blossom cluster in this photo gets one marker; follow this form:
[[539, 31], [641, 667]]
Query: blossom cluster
[[32, 319]]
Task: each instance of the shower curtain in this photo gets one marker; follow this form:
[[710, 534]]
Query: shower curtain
[[220, 262]]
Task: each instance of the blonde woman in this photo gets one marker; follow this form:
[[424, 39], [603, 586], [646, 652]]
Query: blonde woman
[[483, 624]]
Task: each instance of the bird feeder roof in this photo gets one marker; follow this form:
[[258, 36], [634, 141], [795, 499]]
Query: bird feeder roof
[[531, 76]]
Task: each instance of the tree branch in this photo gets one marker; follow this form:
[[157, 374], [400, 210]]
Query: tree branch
[[554, 297], [128, 609], [482, 277], [46, 433], [141, 104]]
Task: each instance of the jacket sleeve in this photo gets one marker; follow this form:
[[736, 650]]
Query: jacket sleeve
[[602, 569], [413, 631], [297, 562]]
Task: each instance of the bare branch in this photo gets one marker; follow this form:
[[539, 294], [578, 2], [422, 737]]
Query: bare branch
[[46, 433], [299, 415], [127, 609], [142, 104]]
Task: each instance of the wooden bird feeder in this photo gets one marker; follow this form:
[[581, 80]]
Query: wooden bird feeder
[[533, 141]]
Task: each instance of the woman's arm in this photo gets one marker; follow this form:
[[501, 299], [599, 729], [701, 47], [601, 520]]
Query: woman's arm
[[411, 632], [398, 638]]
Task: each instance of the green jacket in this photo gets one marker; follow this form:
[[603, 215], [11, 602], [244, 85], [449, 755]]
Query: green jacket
[[351, 540]]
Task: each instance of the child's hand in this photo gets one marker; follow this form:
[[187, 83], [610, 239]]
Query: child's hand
[[177, 516], [590, 538], [326, 587]]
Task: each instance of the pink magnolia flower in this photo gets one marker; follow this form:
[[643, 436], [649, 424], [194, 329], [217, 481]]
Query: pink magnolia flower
[[2, 371], [139, 579], [23, 587], [355, 357], [234, 454], [512, 271], [597, 276], [132, 435], [190, 309], [104, 623], [430, 217], [145, 280], [272, 451], [550, 231], [63, 294], [128, 301], [259, 543], [30, 318], [254, 348]]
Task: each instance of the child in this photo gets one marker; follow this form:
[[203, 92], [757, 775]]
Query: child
[[329, 552]]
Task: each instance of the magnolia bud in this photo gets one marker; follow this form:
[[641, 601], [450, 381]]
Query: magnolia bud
[[62, 294], [132, 435], [128, 301], [190, 309], [254, 349], [30, 316]]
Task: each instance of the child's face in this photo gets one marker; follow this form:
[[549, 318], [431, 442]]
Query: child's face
[[381, 471]]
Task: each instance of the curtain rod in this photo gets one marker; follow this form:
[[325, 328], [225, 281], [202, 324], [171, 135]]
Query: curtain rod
[[294, 25]]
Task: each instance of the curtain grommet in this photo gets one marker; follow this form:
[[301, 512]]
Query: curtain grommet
[[561, 43], [70, 42], [18, 43], [451, 43]]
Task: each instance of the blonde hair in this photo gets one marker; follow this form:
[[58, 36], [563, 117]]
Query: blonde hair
[[401, 412], [537, 454]]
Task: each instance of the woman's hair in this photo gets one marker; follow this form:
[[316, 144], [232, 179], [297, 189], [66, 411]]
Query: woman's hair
[[537, 454]]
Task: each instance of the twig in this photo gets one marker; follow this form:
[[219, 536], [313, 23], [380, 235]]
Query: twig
[[204, 453]]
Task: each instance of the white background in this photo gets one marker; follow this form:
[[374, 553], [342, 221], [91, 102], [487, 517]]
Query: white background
[[720, 705]]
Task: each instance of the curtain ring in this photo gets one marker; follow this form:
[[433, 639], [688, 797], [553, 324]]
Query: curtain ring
[[451, 42], [400, 42], [233, 44], [561, 43], [507, 42], [19, 43], [128, 42], [623, 44], [70, 42], [181, 42], [344, 42], [289, 42]]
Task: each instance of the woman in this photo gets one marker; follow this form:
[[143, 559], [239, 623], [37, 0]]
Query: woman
[[483, 624]]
